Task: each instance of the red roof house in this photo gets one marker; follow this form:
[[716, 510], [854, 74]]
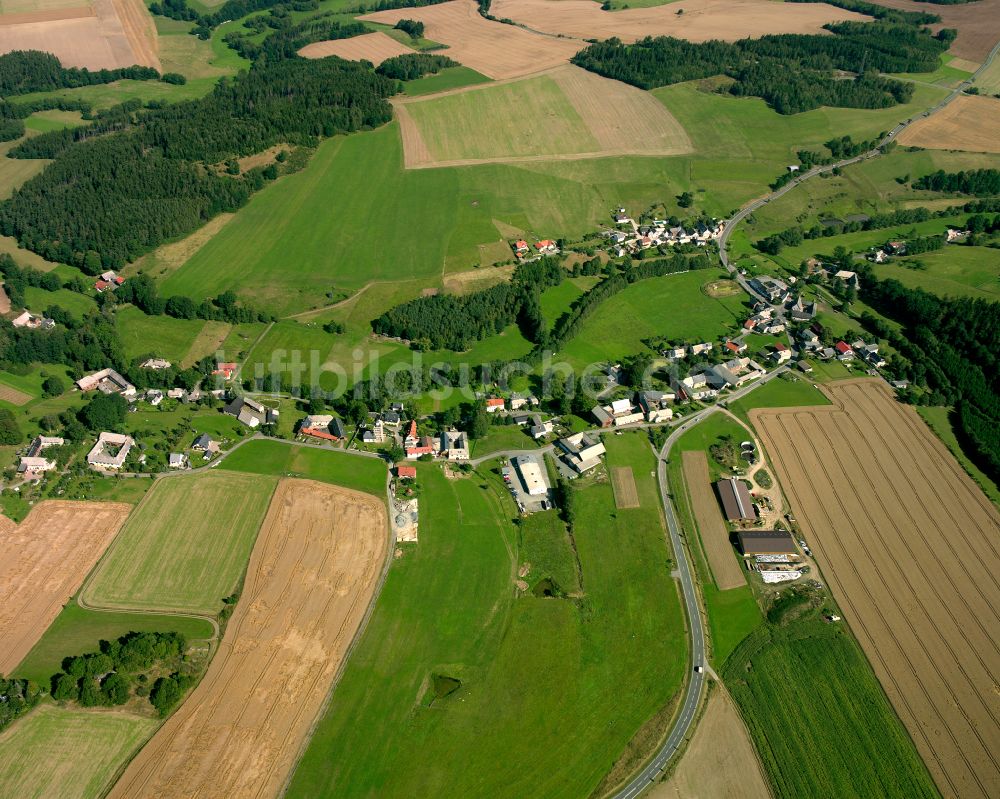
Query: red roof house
[[227, 370], [406, 472], [494, 404], [842, 347]]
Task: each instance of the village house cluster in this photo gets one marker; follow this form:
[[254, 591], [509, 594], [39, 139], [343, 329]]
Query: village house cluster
[[636, 236], [29, 321]]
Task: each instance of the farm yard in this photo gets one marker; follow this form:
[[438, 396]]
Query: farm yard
[[312, 574], [186, 545], [68, 753], [375, 47], [45, 560], [967, 123], [726, 570], [495, 50], [908, 545], [701, 21], [106, 34], [566, 112]]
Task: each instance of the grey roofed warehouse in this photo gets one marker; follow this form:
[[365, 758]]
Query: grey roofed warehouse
[[736, 500]]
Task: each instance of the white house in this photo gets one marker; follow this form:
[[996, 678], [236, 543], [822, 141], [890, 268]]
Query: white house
[[110, 451]]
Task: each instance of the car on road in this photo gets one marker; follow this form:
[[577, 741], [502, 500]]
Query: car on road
[[699, 669]]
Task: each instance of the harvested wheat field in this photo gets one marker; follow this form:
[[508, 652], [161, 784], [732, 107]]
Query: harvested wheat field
[[966, 123], [711, 528], [702, 19], [44, 561], [311, 577], [720, 762], [910, 547], [977, 23], [106, 34], [564, 113], [623, 483], [375, 47], [491, 48]]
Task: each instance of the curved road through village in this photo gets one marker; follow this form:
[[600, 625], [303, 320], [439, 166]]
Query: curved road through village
[[689, 708]]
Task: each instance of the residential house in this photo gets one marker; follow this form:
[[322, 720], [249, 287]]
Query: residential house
[[225, 370], [177, 393], [772, 289], [621, 217], [736, 347], [250, 412], [827, 353], [781, 353], [454, 445], [540, 429], [844, 351], [581, 452], [517, 402], [422, 446], [31, 322], [206, 444], [410, 439], [107, 381], [804, 366], [391, 418], [154, 396], [674, 353], [698, 349], [896, 247], [321, 425], [547, 247], [774, 328], [849, 278], [952, 235], [523, 419], [494, 404], [656, 405], [406, 472], [110, 451], [695, 387], [521, 247], [155, 363], [801, 311], [32, 464], [178, 460]]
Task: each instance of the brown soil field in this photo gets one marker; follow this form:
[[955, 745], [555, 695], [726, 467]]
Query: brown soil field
[[111, 34], [623, 483], [375, 47], [967, 123], [978, 24], [491, 48], [13, 396], [711, 528], [702, 19], [311, 578], [600, 118], [719, 762], [910, 547], [45, 559]]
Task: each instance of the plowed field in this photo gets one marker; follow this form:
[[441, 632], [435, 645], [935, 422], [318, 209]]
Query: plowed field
[[966, 123], [43, 561], [702, 19], [711, 528], [911, 548], [491, 48], [311, 578]]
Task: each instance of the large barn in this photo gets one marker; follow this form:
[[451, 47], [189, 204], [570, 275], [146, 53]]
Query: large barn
[[766, 542], [736, 501]]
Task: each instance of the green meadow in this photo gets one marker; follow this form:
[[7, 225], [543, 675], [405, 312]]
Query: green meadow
[[939, 420], [68, 753], [163, 336], [446, 79], [673, 306], [787, 391], [955, 271], [561, 683], [77, 630]]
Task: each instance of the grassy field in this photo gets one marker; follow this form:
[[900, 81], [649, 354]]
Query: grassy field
[[557, 300], [44, 121], [67, 753], [162, 335], [79, 305], [76, 630], [450, 78], [782, 392], [939, 420], [502, 437], [544, 675], [271, 457], [819, 720], [673, 306], [185, 547], [15, 171], [989, 80], [452, 126], [955, 271]]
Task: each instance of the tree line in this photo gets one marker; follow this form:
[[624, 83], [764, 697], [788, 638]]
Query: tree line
[[950, 344], [121, 669], [25, 71], [114, 197], [791, 72], [977, 182], [447, 321], [414, 65], [287, 41]]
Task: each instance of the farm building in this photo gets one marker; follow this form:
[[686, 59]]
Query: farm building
[[531, 476], [250, 412], [580, 452], [737, 503], [406, 472], [107, 381], [766, 542], [110, 451]]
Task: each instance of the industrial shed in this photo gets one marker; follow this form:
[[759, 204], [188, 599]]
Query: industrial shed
[[737, 504], [766, 542]]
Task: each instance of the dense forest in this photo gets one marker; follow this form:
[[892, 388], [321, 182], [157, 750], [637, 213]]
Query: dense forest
[[16, 698], [791, 72], [107, 200], [951, 346], [24, 71], [977, 182], [286, 42], [413, 65]]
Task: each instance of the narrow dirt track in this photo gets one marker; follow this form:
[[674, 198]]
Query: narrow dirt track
[[909, 546], [44, 560], [311, 577]]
